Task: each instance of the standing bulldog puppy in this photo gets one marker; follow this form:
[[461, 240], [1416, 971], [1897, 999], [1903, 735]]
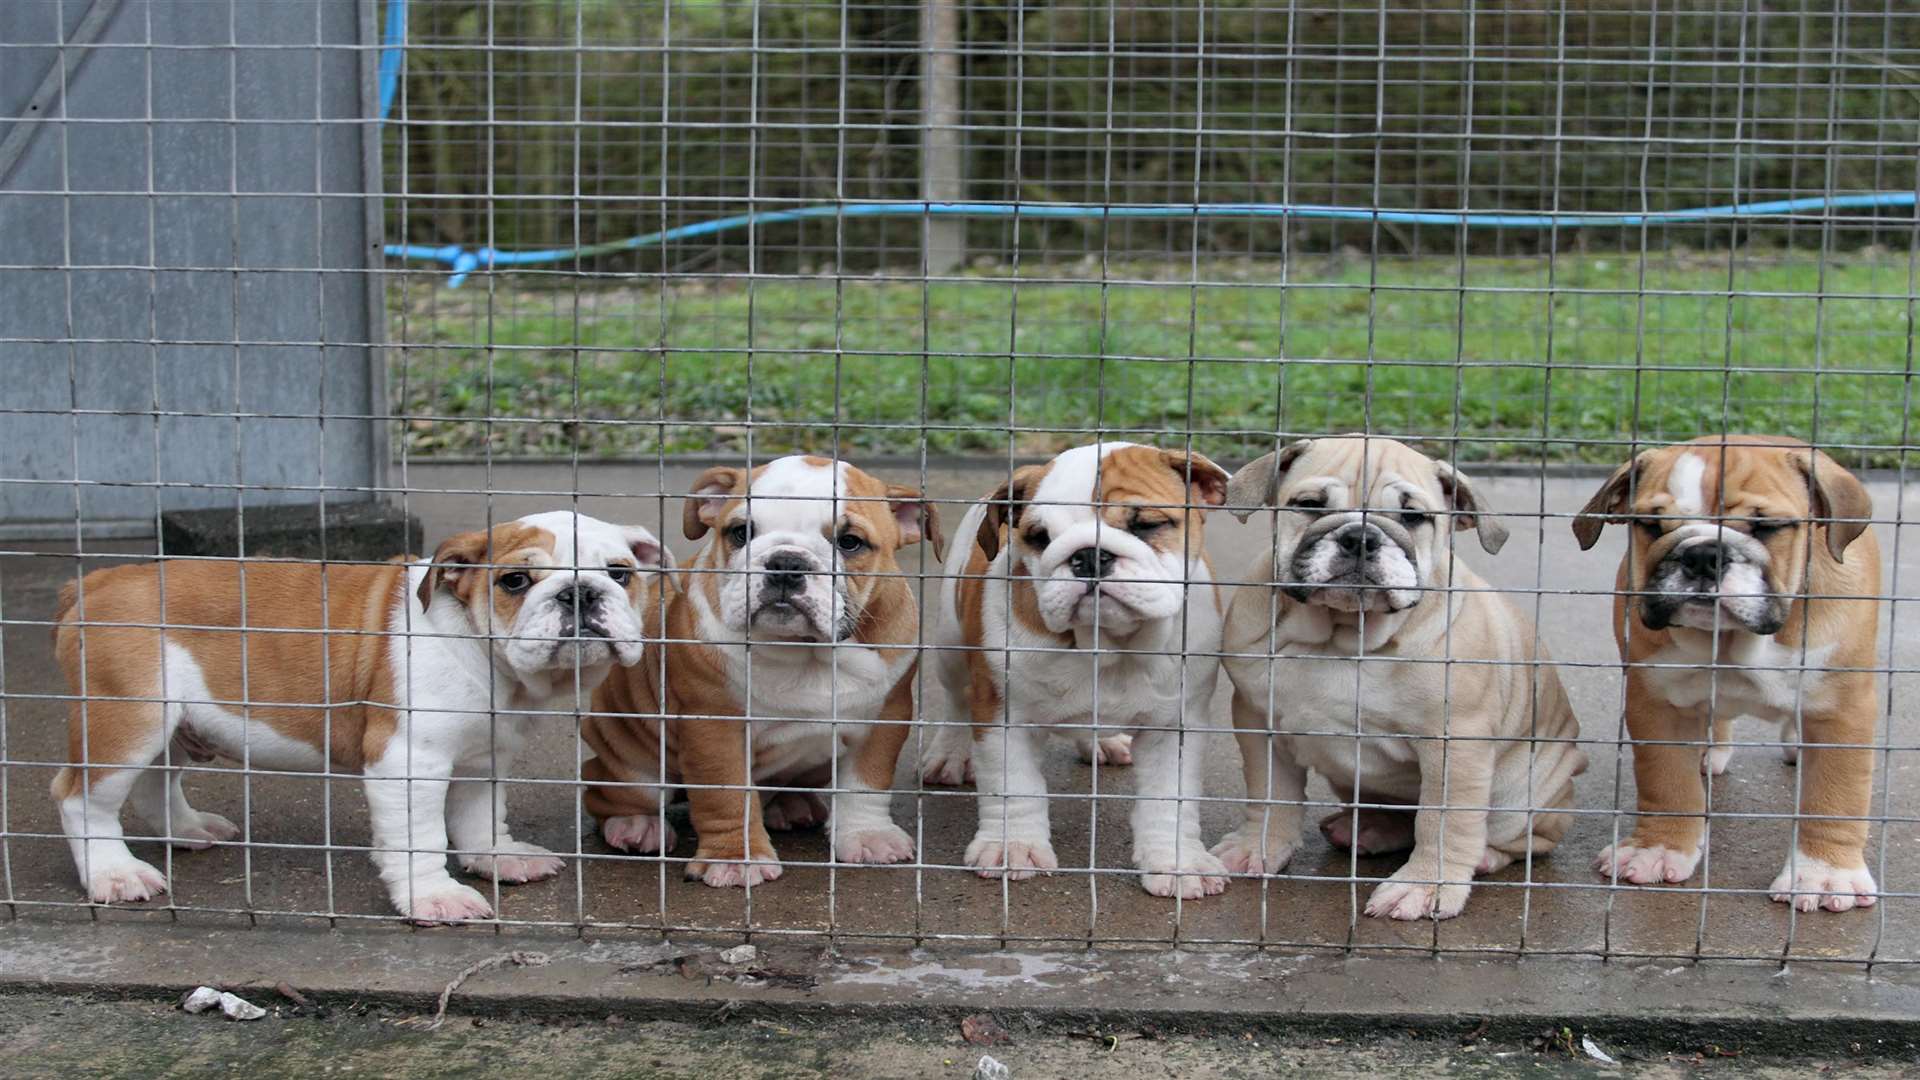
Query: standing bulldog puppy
[[1364, 599], [407, 672], [789, 661], [1749, 589], [1099, 549]]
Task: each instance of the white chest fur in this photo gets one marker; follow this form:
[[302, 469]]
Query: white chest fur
[[1754, 676]]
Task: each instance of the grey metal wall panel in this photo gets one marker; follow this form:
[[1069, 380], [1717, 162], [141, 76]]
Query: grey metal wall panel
[[220, 332]]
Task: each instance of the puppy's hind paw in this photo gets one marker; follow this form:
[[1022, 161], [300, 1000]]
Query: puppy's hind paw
[[514, 863], [639, 833], [888, 844], [1109, 750], [734, 875], [946, 769]]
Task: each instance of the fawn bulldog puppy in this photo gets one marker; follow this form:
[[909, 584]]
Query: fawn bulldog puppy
[[1084, 597], [1748, 588], [795, 616], [1363, 598], [407, 673]]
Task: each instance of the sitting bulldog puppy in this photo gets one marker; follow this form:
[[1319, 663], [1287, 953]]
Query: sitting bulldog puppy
[[1336, 647]]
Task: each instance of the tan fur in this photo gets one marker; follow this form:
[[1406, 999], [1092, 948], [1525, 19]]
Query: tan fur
[[705, 744], [282, 671], [1836, 573]]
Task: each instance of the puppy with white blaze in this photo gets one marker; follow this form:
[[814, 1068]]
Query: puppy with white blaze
[[1338, 650], [409, 673], [788, 657], [1749, 587], [1084, 597]]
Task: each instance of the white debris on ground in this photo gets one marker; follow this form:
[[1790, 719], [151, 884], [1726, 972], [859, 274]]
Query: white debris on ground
[[740, 954], [990, 1068], [232, 1006], [1593, 1051]]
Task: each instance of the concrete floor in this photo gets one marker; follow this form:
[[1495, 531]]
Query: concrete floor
[[1566, 909]]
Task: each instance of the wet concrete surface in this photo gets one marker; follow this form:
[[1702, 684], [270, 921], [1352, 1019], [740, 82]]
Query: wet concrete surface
[[1556, 906]]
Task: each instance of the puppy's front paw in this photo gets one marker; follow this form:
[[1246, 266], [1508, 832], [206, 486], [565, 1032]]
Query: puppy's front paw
[[1808, 883], [1652, 864], [1111, 750], [886, 844], [514, 863], [735, 874], [947, 767], [1412, 894], [1018, 860], [642, 833], [204, 831], [125, 881], [791, 810], [440, 905], [1195, 875], [1243, 851], [1378, 832]]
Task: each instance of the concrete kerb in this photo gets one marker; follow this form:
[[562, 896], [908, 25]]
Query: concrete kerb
[[1805, 1008]]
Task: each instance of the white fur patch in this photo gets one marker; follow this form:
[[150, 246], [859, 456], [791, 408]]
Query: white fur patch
[[1808, 883], [1684, 484]]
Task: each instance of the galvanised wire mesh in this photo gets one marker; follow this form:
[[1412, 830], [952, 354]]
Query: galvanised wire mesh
[[629, 243]]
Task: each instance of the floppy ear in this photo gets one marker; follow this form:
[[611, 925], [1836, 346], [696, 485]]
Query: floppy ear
[[708, 496], [1002, 507], [1840, 501], [647, 549], [1460, 493], [1256, 483], [1608, 502], [454, 553], [916, 518], [1206, 482]]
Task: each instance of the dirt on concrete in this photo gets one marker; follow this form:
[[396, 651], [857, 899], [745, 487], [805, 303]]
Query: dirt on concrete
[[56, 1035]]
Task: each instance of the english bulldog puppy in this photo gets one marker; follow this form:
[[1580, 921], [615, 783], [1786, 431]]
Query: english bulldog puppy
[[789, 661], [1337, 649], [1084, 597], [1748, 588], [407, 672]]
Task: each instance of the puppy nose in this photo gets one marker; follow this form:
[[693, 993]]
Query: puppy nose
[[1703, 560], [786, 572], [1091, 562], [1359, 540], [572, 597]]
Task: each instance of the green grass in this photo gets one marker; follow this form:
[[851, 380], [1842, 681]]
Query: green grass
[[1516, 372]]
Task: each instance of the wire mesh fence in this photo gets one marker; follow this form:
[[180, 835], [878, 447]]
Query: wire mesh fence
[[618, 265]]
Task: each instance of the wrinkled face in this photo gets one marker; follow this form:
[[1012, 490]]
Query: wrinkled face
[[1720, 536], [1362, 522], [552, 591], [798, 545], [1107, 532]]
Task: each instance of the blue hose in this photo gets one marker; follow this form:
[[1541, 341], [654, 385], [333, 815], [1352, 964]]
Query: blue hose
[[465, 261]]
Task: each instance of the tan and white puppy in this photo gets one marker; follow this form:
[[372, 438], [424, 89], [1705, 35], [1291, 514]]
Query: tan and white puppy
[[1748, 589], [800, 564], [1363, 597], [1083, 596], [406, 672]]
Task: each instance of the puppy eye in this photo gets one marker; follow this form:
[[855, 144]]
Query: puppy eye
[[850, 543], [1038, 539], [1147, 526], [739, 534], [1307, 504], [1763, 529], [515, 582], [620, 574], [1413, 519], [1650, 526]]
